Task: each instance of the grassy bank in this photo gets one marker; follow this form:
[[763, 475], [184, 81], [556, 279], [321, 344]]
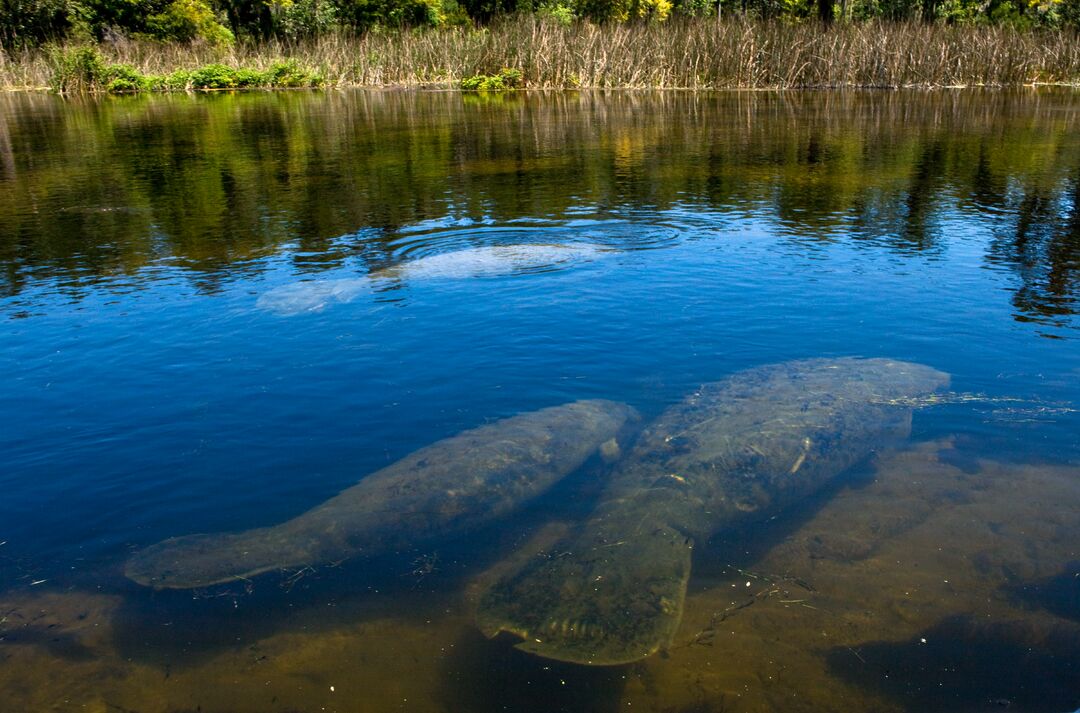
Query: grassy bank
[[686, 53]]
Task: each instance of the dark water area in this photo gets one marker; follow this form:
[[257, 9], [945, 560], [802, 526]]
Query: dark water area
[[217, 312]]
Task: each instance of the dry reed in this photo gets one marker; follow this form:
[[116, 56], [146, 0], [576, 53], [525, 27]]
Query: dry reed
[[687, 53]]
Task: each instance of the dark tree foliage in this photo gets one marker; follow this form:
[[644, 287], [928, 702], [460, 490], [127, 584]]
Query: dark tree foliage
[[25, 23], [31, 22], [487, 10]]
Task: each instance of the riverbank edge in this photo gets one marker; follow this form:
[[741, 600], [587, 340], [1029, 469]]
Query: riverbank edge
[[543, 90], [688, 55]]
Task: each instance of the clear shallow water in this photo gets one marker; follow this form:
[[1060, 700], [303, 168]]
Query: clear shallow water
[[148, 395]]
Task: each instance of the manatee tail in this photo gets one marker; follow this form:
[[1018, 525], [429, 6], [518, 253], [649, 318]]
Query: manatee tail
[[203, 560], [595, 600], [311, 296]]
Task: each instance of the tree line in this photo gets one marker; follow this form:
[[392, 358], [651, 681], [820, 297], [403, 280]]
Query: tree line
[[27, 23]]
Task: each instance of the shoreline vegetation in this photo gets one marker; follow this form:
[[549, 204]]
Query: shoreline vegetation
[[540, 53], [125, 46]]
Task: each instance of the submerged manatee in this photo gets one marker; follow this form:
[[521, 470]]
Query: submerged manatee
[[736, 449], [312, 296], [446, 487], [489, 261]]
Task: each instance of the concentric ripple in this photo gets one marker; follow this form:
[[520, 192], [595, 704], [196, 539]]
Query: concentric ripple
[[457, 249], [492, 261], [632, 232]]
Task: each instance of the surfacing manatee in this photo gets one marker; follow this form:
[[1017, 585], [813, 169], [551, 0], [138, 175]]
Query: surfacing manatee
[[736, 449], [488, 261], [449, 486]]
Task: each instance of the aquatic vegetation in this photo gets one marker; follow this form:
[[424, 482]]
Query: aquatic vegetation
[[452, 485], [77, 69], [290, 73], [699, 53], [125, 78], [735, 450], [505, 79], [218, 76], [84, 69]]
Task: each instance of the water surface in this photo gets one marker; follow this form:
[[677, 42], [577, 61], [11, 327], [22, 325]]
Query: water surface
[[445, 261]]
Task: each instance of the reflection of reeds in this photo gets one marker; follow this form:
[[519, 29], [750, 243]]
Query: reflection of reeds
[[700, 53]]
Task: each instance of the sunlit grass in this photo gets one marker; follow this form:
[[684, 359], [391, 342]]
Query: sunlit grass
[[686, 53]]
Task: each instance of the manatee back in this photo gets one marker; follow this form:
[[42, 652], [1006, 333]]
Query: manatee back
[[760, 439], [736, 449]]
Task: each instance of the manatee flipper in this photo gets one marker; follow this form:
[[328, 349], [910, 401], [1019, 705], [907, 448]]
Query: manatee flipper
[[596, 599], [217, 558]]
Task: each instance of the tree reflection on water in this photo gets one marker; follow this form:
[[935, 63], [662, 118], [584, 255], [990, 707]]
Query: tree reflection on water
[[95, 193]]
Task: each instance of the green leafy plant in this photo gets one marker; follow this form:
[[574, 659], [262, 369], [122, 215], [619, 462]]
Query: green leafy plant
[[176, 81], [558, 12], [220, 76], [290, 74], [506, 79], [213, 76], [76, 69], [123, 78]]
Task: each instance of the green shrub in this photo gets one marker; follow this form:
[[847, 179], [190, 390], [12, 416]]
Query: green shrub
[[244, 78], [123, 78], [505, 79], [290, 74], [177, 81], [76, 69], [219, 76], [558, 12], [82, 69], [25, 23], [486, 10], [212, 76]]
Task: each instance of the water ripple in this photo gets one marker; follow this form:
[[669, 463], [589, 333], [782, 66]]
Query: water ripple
[[467, 263], [616, 233]]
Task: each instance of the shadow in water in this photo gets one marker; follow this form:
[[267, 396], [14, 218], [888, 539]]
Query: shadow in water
[[60, 644], [491, 675], [415, 584], [742, 546], [177, 626], [965, 664], [1059, 594]]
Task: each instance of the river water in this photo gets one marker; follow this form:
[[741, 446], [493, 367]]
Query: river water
[[218, 311]]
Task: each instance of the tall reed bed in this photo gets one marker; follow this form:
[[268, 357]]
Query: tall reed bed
[[687, 53]]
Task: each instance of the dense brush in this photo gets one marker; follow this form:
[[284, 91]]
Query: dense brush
[[682, 53]]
